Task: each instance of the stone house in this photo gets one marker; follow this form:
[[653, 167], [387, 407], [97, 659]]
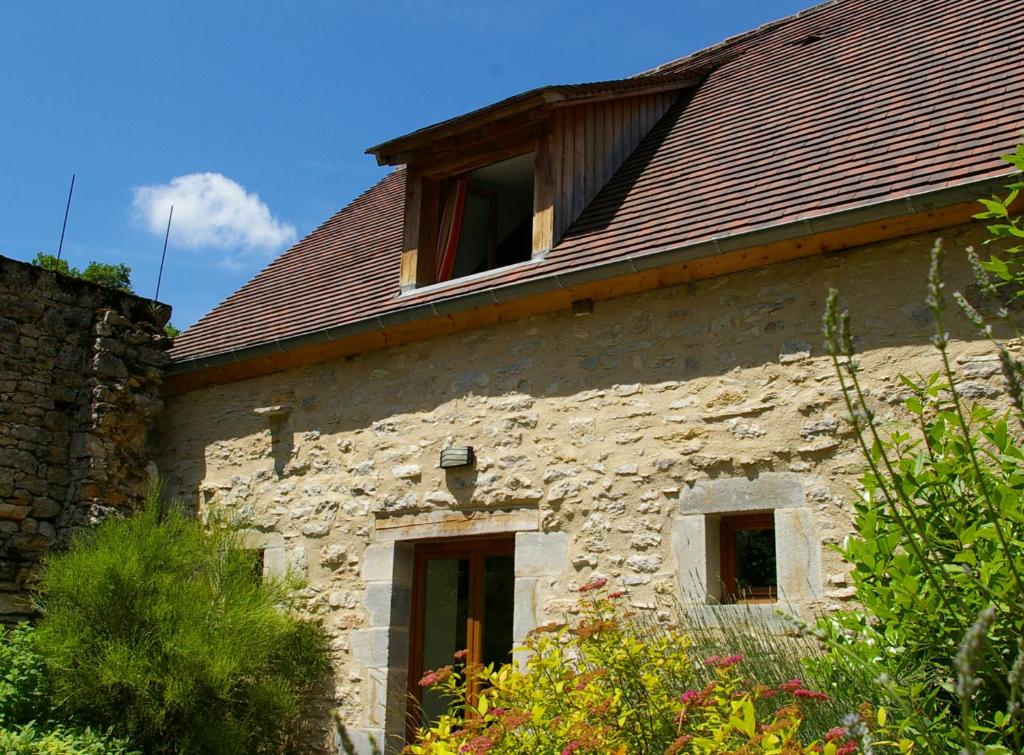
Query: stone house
[[576, 333]]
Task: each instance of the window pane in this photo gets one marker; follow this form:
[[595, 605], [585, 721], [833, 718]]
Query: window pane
[[755, 561], [499, 596], [445, 608]]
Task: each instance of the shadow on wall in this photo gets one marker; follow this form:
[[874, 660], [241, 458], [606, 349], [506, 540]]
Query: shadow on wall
[[482, 383]]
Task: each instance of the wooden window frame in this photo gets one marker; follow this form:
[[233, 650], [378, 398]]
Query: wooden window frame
[[476, 551], [728, 527], [423, 204]]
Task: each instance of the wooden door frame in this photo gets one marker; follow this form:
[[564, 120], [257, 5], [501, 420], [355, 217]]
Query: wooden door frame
[[476, 550]]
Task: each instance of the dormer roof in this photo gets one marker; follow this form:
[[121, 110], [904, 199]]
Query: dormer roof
[[533, 104]]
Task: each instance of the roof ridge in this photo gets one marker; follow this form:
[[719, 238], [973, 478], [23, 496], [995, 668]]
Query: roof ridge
[[736, 38]]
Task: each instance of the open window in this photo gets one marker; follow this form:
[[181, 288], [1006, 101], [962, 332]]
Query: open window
[[463, 595], [747, 548], [485, 219]]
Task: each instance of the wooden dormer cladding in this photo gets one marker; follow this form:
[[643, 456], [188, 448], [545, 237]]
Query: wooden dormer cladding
[[587, 144], [579, 135]]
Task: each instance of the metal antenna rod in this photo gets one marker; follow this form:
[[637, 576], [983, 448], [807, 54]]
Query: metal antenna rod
[[163, 256], [60, 247]]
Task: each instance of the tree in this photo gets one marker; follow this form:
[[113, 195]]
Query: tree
[[111, 275]]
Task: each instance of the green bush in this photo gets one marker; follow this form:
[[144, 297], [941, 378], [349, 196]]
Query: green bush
[[938, 556], [24, 692], [160, 629], [29, 740]]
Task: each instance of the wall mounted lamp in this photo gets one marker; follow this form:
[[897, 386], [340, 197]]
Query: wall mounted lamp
[[456, 456]]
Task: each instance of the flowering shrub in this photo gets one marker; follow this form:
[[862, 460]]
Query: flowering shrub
[[611, 684]]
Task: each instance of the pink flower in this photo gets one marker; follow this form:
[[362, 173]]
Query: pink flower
[[726, 662], [809, 694], [689, 696], [477, 745], [616, 594], [570, 748], [435, 677], [836, 732], [791, 686], [712, 660], [460, 655], [596, 584], [847, 749]]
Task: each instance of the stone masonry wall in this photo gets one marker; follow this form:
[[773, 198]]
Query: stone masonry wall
[[610, 443], [80, 372]]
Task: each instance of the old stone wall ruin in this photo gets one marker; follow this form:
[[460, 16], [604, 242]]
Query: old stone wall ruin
[[607, 444], [80, 374]]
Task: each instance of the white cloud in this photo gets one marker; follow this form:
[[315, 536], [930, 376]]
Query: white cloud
[[212, 212]]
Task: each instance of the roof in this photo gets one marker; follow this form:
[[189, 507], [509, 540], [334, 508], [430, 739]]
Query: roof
[[389, 152], [848, 105]]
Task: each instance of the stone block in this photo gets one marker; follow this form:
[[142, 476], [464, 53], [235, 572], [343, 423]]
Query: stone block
[[360, 741], [752, 614], [13, 511], [275, 562], [316, 529], [378, 562], [769, 490], [798, 556], [541, 554], [407, 472], [370, 647], [387, 562], [524, 607], [695, 546], [15, 604], [387, 604], [46, 508]]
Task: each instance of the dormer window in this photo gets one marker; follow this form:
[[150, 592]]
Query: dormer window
[[486, 219], [500, 185]]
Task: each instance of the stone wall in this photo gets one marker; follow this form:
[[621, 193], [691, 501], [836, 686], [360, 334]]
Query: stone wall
[[609, 444], [80, 372]]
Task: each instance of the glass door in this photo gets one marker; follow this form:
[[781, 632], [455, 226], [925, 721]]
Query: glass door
[[463, 594]]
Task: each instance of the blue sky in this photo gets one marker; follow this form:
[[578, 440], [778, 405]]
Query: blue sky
[[252, 117]]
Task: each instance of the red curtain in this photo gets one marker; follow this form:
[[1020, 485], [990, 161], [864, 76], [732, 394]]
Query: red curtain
[[450, 231]]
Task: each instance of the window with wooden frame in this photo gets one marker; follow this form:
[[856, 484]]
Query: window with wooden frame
[[747, 548], [470, 222], [462, 600], [496, 219]]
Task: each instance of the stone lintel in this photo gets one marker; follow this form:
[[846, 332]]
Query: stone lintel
[[769, 490], [443, 524]]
